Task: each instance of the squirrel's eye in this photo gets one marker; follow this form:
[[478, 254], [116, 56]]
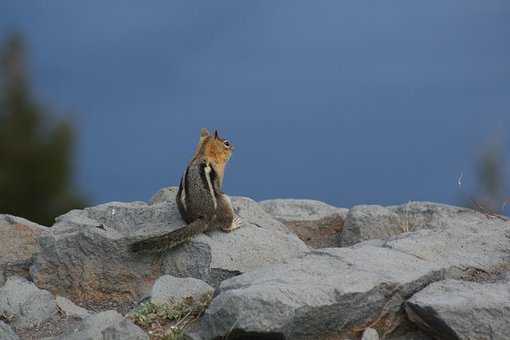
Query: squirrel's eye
[[226, 143]]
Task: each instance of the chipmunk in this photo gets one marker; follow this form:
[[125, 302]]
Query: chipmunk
[[199, 199]]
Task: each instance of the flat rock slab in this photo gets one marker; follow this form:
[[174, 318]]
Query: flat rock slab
[[18, 244], [336, 292], [366, 222], [454, 309], [169, 289], [316, 223], [104, 325], [215, 256], [27, 304]]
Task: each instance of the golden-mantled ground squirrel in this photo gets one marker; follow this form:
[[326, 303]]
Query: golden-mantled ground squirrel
[[200, 200]]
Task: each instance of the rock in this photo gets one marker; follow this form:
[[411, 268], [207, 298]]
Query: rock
[[105, 325], [336, 292], [316, 223], [28, 304], [215, 256], [293, 210], [366, 222], [164, 195], [370, 334], [18, 244], [454, 309], [85, 256], [317, 295], [6, 333], [173, 289], [252, 213], [70, 309]]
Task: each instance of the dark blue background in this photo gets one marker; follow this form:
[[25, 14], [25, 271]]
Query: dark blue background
[[342, 101]]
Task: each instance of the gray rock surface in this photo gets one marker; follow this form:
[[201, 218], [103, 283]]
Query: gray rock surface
[[215, 256], [366, 222], [28, 304], [335, 291], [18, 244], [69, 309], [173, 289], [85, 256], [292, 210], [316, 223], [454, 309], [166, 194], [322, 293], [6, 332], [108, 325]]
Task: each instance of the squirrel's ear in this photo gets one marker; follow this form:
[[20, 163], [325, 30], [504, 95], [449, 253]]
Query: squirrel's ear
[[216, 134], [204, 133]]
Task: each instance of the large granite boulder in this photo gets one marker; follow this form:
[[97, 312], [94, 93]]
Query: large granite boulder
[[339, 292], [316, 223], [18, 244], [366, 222], [85, 255], [86, 258], [26, 304], [454, 309]]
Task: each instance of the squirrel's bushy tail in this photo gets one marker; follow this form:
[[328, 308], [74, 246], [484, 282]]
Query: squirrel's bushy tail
[[170, 239]]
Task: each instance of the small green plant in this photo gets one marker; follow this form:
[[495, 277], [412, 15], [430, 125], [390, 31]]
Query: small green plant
[[167, 321]]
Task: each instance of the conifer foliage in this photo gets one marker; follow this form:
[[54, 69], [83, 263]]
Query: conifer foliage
[[36, 151]]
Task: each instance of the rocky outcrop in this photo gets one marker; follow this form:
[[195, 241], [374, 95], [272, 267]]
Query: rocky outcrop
[[462, 310], [316, 223], [169, 289], [415, 265], [342, 290], [25, 304], [85, 257], [18, 244]]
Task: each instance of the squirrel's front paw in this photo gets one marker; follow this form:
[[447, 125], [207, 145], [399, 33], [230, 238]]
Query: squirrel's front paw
[[236, 223]]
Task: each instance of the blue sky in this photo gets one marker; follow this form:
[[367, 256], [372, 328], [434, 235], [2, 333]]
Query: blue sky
[[344, 102]]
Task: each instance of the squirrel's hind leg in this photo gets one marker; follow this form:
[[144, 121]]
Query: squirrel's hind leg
[[226, 219]]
